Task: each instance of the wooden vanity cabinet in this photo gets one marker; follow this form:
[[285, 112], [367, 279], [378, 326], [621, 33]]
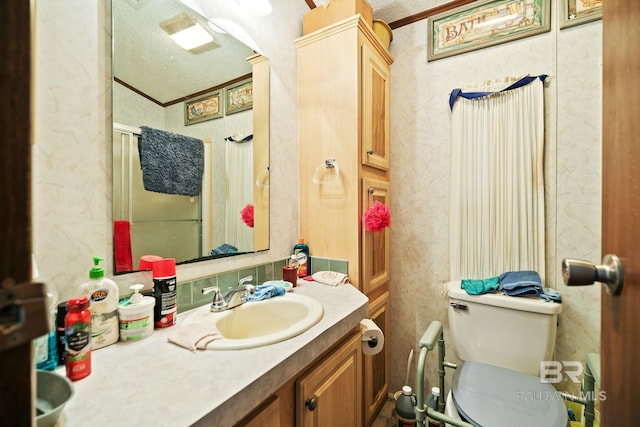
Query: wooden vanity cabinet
[[375, 245], [376, 87], [344, 106], [376, 367], [343, 100], [267, 415], [328, 393]]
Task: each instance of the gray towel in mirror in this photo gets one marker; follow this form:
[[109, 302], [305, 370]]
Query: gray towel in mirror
[[171, 163]]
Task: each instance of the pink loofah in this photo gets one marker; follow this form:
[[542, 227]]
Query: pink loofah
[[247, 215], [377, 217]]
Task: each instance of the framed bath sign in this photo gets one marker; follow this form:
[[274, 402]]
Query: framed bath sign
[[204, 108], [239, 97], [485, 23], [576, 12]]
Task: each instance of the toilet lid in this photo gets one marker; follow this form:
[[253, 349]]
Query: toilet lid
[[491, 396]]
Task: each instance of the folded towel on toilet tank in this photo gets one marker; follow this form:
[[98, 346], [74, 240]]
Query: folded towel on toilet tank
[[551, 295], [479, 286], [520, 283]]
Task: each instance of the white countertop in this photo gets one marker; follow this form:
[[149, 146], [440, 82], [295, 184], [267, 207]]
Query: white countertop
[[155, 383]]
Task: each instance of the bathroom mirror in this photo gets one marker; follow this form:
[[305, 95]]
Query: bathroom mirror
[[154, 80]]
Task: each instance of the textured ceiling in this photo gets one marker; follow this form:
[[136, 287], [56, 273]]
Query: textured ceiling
[[146, 59]]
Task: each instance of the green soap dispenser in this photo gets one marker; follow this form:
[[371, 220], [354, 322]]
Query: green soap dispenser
[[103, 304]]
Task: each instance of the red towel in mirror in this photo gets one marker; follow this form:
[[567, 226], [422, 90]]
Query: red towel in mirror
[[122, 246]]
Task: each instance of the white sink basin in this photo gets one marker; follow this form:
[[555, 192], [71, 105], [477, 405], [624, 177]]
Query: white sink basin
[[259, 323]]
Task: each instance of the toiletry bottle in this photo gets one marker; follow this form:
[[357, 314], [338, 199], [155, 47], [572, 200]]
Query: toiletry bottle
[[165, 292], [78, 338], [432, 402], [103, 303], [405, 407], [145, 265], [136, 315], [45, 349], [61, 341], [304, 269]]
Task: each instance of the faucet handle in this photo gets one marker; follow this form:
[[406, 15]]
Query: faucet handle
[[210, 289], [218, 302], [244, 280]]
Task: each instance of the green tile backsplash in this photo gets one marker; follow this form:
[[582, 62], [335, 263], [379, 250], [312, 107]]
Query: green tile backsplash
[[190, 293]]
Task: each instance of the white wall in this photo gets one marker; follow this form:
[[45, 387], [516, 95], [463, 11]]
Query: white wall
[[420, 120]]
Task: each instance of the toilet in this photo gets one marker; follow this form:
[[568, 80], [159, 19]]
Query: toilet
[[502, 340]]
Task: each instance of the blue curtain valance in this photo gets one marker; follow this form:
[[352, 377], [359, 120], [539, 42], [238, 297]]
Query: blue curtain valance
[[458, 93]]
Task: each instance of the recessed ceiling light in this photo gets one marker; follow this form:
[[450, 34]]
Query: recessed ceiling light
[[188, 33]]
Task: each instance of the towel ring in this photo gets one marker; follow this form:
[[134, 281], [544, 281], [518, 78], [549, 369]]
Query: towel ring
[[328, 164], [263, 177]]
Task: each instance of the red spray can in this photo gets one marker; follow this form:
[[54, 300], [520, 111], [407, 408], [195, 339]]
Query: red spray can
[[165, 292]]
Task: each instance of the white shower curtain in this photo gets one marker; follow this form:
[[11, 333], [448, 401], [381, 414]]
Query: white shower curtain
[[497, 184], [239, 159]]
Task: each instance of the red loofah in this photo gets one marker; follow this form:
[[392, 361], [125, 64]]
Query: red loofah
[[377, 217], [247, 215]]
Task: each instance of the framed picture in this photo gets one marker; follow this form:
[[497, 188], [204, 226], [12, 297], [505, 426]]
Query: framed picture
[[485, 23], [576, 12], [204, 108], [239, 97]]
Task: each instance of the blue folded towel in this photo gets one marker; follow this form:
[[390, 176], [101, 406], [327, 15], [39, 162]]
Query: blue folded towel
[[224, 248], [549, 294], [171, 163], [478, 287], [520, 283], [263, 292]]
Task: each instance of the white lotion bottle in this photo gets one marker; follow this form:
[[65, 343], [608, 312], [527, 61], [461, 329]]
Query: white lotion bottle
[[103, 304], [136, 315]]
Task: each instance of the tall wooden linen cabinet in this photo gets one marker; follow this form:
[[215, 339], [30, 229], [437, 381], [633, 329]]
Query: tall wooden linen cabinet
[[344, 90]]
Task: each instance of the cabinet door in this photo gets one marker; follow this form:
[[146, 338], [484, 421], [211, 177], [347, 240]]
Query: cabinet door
[[375, 244], [376, 368], [330, 394], [266, 416], [376, 89]]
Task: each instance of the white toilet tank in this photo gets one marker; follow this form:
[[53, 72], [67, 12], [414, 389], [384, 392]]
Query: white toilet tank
[[513, 332]]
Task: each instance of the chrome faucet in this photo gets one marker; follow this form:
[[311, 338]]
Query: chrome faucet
[[234, 296]]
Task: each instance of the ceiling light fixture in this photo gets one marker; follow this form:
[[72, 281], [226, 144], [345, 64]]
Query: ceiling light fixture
[[188, 33]]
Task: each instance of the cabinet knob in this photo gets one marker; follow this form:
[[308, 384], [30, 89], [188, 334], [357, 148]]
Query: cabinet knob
[[369, 152], [311, 403]]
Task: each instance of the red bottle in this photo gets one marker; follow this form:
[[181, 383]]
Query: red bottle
[[77, 331], [165, 291]]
